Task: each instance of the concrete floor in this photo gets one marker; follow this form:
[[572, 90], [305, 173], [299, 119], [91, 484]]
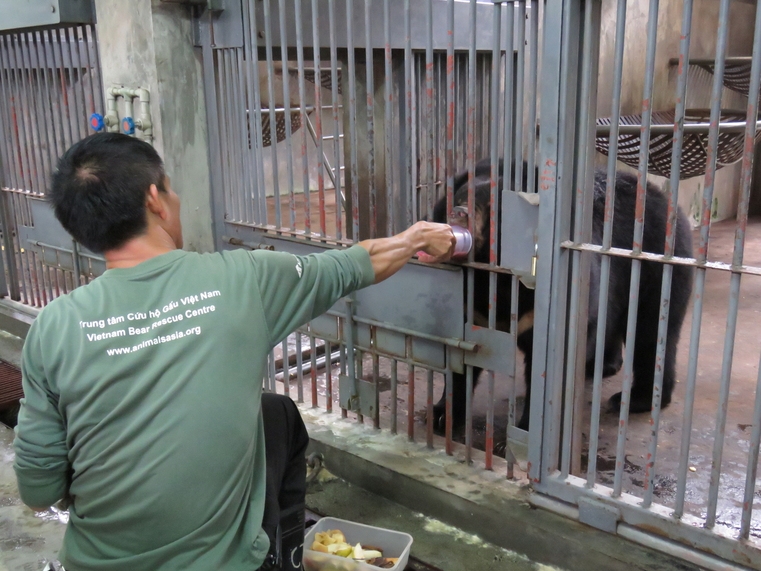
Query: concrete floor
[[29, 540]]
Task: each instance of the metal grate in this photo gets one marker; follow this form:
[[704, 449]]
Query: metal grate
[[10, 384]]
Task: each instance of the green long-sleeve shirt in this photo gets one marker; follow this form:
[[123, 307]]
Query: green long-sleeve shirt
[[142, 401]]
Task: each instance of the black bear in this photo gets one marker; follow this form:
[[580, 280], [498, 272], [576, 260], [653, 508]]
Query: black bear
[[656, 210]]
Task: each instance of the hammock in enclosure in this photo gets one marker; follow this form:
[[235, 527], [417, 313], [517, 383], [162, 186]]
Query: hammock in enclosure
[[694, 145]]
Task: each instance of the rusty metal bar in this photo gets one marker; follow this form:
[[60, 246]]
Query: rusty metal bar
[[673, 195], [317, 63], [631, 325], [387, 119], [450, 163], [742, 222], [602, 309], [304, 129], [353, 167], [287, 106], [410, 388], [370, 89], [273, 116], [336, 121]]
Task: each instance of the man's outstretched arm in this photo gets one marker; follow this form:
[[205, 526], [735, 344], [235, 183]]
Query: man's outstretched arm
[[388, 255]]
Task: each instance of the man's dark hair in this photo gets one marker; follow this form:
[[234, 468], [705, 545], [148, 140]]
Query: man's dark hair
[[99, 188]]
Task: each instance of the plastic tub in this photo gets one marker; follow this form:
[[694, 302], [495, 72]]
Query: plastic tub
[[391, 543]]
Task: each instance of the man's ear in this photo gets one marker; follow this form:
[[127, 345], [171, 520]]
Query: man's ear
[[154, 203]]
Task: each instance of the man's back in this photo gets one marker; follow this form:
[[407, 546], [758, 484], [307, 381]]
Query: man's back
[[149, 388]]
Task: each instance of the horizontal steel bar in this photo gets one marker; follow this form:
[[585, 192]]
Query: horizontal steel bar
[[307, 366], [457, 343], [649, 257], [396, 38], [709, 61], [635, 535], [67, 251], [249, 245], [729, 127], [294, 109]]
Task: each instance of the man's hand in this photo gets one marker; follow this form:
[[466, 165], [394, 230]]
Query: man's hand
[[388, 255]]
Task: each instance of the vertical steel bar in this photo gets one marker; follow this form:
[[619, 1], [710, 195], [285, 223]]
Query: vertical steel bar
[[351, 80], [79, 121], [328, 378], [576, 333], [272, 105], [410, 388], [233, 154], [631, 325], [394, 396], [255, 113], [34, 113], [237, 126], [224, 139], [350, 359], [450, 161], [20, 115], [602, 309], [91, 74], [271, 381], [57, 43], [673, 195], [508, 108], [533, 85], [243, 113], [561, 193], [9, 80], [287, 367], [448, 401], [471, 162], [429, 411], [302, 108], [520, 98], [370, 85], [299, 368], [409, 190], [317, 63], [387, 120], [287, 107], [334, 82], [53, 100], [313, 369], [493, 213], [361, 375], [513, 348], [249, 65], [429, 124], [750, 122], [7, 148], [376, 379], [9, 258], [45, 119], [734, 296]]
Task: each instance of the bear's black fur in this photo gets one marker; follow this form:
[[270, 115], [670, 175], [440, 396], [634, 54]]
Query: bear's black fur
[[656, 211]]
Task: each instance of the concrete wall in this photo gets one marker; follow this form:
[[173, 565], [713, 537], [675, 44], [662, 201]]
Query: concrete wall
[[703, 45], [148, 43]]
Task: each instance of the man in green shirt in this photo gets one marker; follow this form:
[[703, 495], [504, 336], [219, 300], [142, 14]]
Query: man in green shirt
[[143, 403]]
